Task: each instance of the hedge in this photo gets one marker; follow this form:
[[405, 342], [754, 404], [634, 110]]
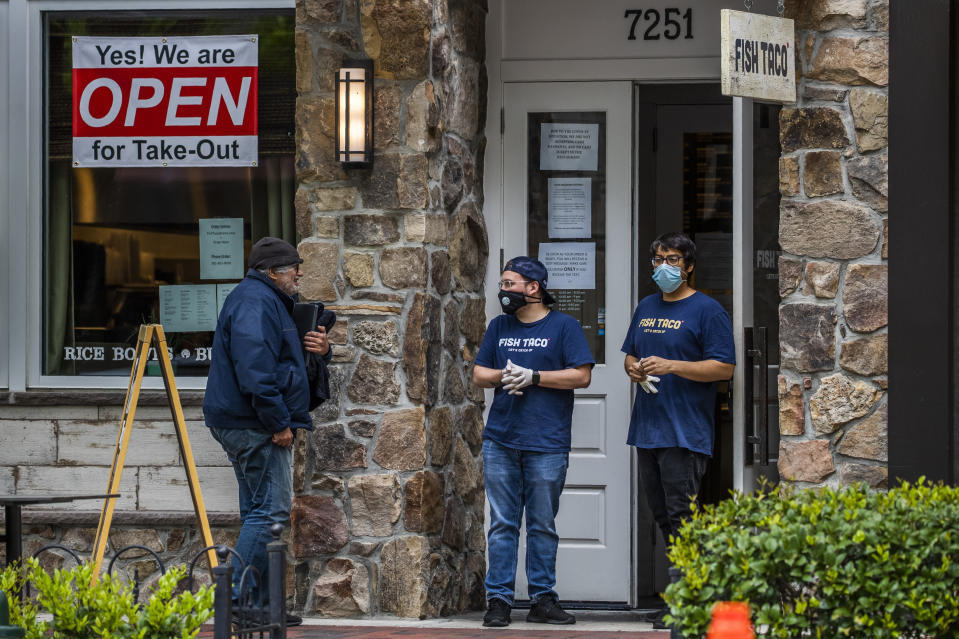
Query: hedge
[[827, 563], [101, 609]]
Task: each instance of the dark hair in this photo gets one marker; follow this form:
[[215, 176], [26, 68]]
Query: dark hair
[[678, 242]]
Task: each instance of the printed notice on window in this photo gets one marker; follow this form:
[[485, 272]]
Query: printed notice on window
[[568, 147], [569, 207], [222, 290], [571, 265], [221, 248], [188, 308]]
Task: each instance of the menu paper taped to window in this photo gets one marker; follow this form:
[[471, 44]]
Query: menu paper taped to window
[[175, 101], [221, 248], [570, 207], [188, 308], [571, 265], [568, 147], [222, 290]]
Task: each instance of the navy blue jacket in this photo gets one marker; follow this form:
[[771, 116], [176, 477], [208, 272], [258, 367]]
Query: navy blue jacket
[[257, 371]]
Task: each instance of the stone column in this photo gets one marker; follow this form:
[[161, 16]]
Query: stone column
[[834, 236], [388, 508]]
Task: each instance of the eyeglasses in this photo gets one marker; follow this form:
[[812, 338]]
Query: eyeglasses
[[672, 260], [286, 269], [509, 283]]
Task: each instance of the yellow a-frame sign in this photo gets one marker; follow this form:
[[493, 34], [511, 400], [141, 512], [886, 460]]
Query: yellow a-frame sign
[[150, 333]]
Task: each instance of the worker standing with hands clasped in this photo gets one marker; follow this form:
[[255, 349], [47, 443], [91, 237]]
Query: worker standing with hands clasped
[[679, 345], [534, 357]]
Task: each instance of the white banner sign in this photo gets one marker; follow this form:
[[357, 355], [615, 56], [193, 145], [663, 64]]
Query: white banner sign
[[758, 56], [188, 101]]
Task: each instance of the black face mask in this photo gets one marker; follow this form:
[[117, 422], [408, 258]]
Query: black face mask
[[511, 301]]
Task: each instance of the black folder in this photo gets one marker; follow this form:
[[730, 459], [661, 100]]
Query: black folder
[[306, 316]]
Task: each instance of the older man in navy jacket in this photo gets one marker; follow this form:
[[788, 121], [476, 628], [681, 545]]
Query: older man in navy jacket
[[258, 394]]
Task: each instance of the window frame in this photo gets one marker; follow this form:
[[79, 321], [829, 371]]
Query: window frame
[[26, 242], [4, 203]]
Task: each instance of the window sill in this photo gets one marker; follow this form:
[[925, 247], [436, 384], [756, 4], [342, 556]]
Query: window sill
[[160, 518], [116, 397]]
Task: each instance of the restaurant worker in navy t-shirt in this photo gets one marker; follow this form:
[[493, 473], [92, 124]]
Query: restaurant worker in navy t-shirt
[[534, 357], [679, 344]]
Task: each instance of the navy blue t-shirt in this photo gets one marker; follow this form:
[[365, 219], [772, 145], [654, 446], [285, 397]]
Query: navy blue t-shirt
[[693, 329], [540, 418]]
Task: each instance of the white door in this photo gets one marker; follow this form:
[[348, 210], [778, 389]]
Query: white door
[[566, 192]]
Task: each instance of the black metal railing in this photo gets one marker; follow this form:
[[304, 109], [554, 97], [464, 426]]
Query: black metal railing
[[240, 617], [245, 618]]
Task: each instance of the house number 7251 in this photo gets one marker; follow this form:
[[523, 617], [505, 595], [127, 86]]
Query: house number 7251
[[672, 23]]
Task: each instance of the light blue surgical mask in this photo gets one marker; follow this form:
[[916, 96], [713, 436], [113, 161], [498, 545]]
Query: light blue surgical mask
[[668, 277]]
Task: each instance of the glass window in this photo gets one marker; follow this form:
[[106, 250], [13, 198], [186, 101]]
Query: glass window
[[766, 153], [708, 211], [115, 237], [766, 200], [566, 215]]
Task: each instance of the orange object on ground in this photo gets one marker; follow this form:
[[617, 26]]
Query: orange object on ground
[[730, 621]]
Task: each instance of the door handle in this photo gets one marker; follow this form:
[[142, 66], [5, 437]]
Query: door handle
[[756, 412], [749, 413]]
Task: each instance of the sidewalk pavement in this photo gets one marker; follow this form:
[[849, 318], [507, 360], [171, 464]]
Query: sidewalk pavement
[[590, 624]]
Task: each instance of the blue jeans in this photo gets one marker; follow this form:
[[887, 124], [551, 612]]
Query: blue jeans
[[671, 476], [518, 480], [264, 474]]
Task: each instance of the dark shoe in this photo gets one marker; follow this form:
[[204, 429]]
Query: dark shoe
[[293, 620], [245, 618], [250, 619], [547, 610], [498, 614]]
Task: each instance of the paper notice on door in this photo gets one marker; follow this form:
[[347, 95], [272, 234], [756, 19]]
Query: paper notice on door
[[569, 207], [571, 265], [222, 290], [568, 147], [188, 308], [221, 248]]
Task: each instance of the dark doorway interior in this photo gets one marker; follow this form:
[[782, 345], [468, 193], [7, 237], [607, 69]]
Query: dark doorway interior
[[685, 182]]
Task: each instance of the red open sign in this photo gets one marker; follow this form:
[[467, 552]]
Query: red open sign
[[164, 101]]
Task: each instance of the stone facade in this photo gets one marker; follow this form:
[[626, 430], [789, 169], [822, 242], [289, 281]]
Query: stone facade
[[388, 511], [833, 232], [388, 507], [69, 448]]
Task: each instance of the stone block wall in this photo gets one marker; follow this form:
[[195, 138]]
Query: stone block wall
[[56, 447], [834, 236], [388, 508]]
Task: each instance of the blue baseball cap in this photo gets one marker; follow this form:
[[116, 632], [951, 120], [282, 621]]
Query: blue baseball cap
[[533, 270]]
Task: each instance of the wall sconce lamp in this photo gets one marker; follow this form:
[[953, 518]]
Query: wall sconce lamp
[[354, 114]]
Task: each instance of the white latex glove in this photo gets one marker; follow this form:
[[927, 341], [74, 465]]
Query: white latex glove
[[648, 384], [516, 377]]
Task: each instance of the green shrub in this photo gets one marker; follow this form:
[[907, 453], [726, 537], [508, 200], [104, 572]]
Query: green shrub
[[22, 613], [829, 563], [104, 609]]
